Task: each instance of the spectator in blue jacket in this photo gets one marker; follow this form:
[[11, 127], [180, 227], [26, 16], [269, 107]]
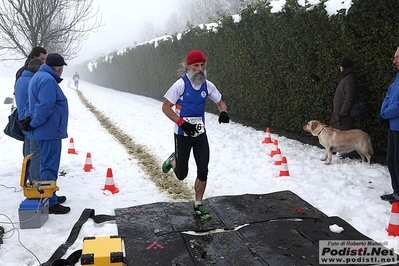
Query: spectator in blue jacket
[[48, 121], [30, 146], [390, 112]]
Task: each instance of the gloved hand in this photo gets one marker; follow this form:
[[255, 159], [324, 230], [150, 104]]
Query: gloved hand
[[383, 122], [187, 127], [24, 124], [224, 117]]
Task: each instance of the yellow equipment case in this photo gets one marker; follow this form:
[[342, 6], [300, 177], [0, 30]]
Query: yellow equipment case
[[35, 189], [102, 251]]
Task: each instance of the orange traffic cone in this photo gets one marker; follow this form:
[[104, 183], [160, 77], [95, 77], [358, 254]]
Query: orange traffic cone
[[284, 167], [109, 182], [71, 148], [393, 226], [277, 157], [267, 139], [88, 166], [274, 149]]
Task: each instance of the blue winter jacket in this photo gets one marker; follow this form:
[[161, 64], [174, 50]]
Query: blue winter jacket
[[21, 93], [48, 106], [390, 105]]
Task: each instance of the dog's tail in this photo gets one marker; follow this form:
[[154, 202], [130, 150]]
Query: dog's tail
[[371, 151]]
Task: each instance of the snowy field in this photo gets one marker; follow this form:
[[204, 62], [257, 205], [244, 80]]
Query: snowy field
[[239, 164]]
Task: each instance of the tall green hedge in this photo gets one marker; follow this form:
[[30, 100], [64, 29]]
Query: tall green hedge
[[273, 69]]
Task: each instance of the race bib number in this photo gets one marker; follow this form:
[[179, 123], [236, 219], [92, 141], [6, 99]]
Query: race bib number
[[199, 124]]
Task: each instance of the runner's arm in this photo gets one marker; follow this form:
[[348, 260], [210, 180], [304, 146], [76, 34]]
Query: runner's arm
[[222, 107], [168, 111]]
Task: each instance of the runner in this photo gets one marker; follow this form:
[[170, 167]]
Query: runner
[[188, 95]]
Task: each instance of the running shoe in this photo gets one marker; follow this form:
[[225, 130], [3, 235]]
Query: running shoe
[[166, 166], [201, 212]]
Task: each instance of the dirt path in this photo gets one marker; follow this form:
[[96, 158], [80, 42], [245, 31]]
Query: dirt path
[[166, 183]]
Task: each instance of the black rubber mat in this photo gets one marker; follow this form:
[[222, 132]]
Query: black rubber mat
[[295, 241], [251, 208], [271, 229]]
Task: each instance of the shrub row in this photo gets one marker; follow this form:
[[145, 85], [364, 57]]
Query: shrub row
[[273, 69]]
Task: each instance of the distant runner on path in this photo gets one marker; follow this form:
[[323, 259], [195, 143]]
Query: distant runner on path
[[76, 80]]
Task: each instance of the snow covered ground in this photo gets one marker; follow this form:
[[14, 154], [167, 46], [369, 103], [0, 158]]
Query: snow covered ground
[[240, 164]]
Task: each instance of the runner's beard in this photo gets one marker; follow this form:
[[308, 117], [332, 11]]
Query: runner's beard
[[197, 78]]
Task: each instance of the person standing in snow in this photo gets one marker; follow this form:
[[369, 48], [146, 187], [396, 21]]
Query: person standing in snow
[[30, 146], [344, 98], [188, 95], [48, 122], [390, 111], [37, 52]]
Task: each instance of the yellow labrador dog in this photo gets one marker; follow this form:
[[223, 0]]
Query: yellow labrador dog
[[335, 140]]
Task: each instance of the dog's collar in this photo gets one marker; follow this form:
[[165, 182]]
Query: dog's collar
[[321, 130]]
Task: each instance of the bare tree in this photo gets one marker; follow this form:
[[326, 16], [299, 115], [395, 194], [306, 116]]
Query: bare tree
[[149, 30], [202, 11], [57, 25]]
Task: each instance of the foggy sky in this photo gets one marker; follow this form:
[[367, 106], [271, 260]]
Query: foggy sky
[[125, 21]]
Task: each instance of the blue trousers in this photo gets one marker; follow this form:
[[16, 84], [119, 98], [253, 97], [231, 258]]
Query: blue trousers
[[34, 167], [31, 146], [26, 147], [50, 157]]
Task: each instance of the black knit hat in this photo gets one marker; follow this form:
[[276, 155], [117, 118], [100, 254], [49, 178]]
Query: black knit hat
[[55, 60], [346, 63]]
